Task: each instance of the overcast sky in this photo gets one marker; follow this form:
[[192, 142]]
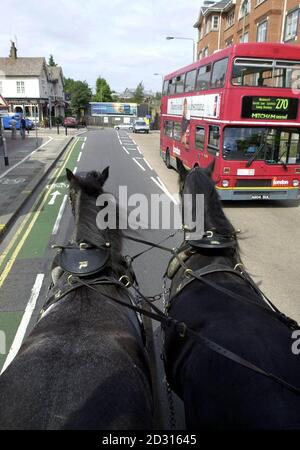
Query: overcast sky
[[123, 41]]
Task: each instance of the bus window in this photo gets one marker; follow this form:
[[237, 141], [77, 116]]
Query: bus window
[[177, 131], [267, 73], [219, 73], [165, 87], [213, 139], [203, 78], [171, 86], [190, 79], [168, 128], [179, 84], [199, 138]]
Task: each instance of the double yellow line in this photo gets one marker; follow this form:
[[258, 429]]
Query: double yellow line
[[11, 261]]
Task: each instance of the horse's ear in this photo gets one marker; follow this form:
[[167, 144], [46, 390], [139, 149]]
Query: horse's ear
[[70, 176], [181, 169], [210, 168], [104, 175]]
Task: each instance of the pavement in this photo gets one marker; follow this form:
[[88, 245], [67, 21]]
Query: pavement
[[29, 161]]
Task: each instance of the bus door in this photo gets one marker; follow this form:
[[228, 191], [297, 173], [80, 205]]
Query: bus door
[[199, 146], [213, 148]]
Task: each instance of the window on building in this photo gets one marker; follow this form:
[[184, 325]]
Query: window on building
[[229, 42], [261, 35], [205, 52], [208, 25], [213, 139], [215, 22], [219, 73], [203, 78], [244, 9], [291, 25], [190, 79], [230, 19], [20, 87], [258, 2], [200, 138], [244, 37]]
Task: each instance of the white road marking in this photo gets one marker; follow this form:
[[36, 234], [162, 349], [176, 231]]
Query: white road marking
[[59, 216], [165, 190], [143, 168], [148, 164], [133, 141], [75, 170], [138, 148], [35, 292], [79, 157], [125, 149], [53, 196], [26, 157], [82, 147]]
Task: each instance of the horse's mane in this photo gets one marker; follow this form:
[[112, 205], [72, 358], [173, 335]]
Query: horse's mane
[[214, 217]]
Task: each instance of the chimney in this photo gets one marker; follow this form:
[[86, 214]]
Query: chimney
[[13, 51]]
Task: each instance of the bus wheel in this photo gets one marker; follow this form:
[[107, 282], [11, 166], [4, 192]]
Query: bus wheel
[[167, 160]]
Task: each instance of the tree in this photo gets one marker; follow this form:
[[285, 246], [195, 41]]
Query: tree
[[103, 91], [138, 95], [79, 92], [51, 61]]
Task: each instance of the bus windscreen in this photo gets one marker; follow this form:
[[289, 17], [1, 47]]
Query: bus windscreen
[[273, 145], [266, 73]]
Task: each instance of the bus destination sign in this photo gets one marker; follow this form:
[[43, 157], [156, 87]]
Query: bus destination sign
[[270, 108]]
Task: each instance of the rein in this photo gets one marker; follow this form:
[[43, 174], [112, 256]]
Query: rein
[[181, 328]]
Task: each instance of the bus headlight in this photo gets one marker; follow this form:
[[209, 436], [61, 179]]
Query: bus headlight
[[225, 183], [295, 183]]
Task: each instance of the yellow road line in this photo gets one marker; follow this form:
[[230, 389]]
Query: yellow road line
[[11, 261]]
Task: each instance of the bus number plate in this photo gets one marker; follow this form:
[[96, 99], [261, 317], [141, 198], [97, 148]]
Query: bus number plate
[[260, 197]]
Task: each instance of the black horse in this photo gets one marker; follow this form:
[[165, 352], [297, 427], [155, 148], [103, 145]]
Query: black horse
[[220, 390], [84, 365]]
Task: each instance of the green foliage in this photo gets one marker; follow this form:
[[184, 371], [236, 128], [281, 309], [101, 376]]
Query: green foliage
[[79, 93], [138, 95], [51, 61], [103, 91]]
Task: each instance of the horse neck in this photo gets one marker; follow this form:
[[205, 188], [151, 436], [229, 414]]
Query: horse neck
[[85, 222]]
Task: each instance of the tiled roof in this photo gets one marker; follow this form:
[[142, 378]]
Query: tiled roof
[[22, 66]]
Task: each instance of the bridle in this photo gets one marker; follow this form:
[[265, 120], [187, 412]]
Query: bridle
[[92, 281]]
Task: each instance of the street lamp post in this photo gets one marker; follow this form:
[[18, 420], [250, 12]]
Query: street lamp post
[[184, 38]]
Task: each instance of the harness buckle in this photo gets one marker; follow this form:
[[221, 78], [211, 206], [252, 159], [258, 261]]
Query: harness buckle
[[124, 279], [188, 273]]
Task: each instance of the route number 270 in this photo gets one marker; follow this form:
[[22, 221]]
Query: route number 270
[[282, 103]]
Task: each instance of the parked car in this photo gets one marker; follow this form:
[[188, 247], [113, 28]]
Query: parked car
[[124, 126], [70, 122], [6, 122], [140, 126]]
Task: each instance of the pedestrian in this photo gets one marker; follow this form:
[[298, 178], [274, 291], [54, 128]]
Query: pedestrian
[[23, 127], [13, 124]]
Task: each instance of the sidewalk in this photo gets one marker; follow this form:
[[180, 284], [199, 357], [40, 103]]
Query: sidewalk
[[28, 165]]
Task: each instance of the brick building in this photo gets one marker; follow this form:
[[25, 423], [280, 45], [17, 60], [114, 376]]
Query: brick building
[[226, 22]]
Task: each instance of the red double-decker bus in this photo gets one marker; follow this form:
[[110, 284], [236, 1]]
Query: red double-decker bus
[[239, 106]]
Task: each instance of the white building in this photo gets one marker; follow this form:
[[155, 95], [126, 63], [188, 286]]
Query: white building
[[31, 87]]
